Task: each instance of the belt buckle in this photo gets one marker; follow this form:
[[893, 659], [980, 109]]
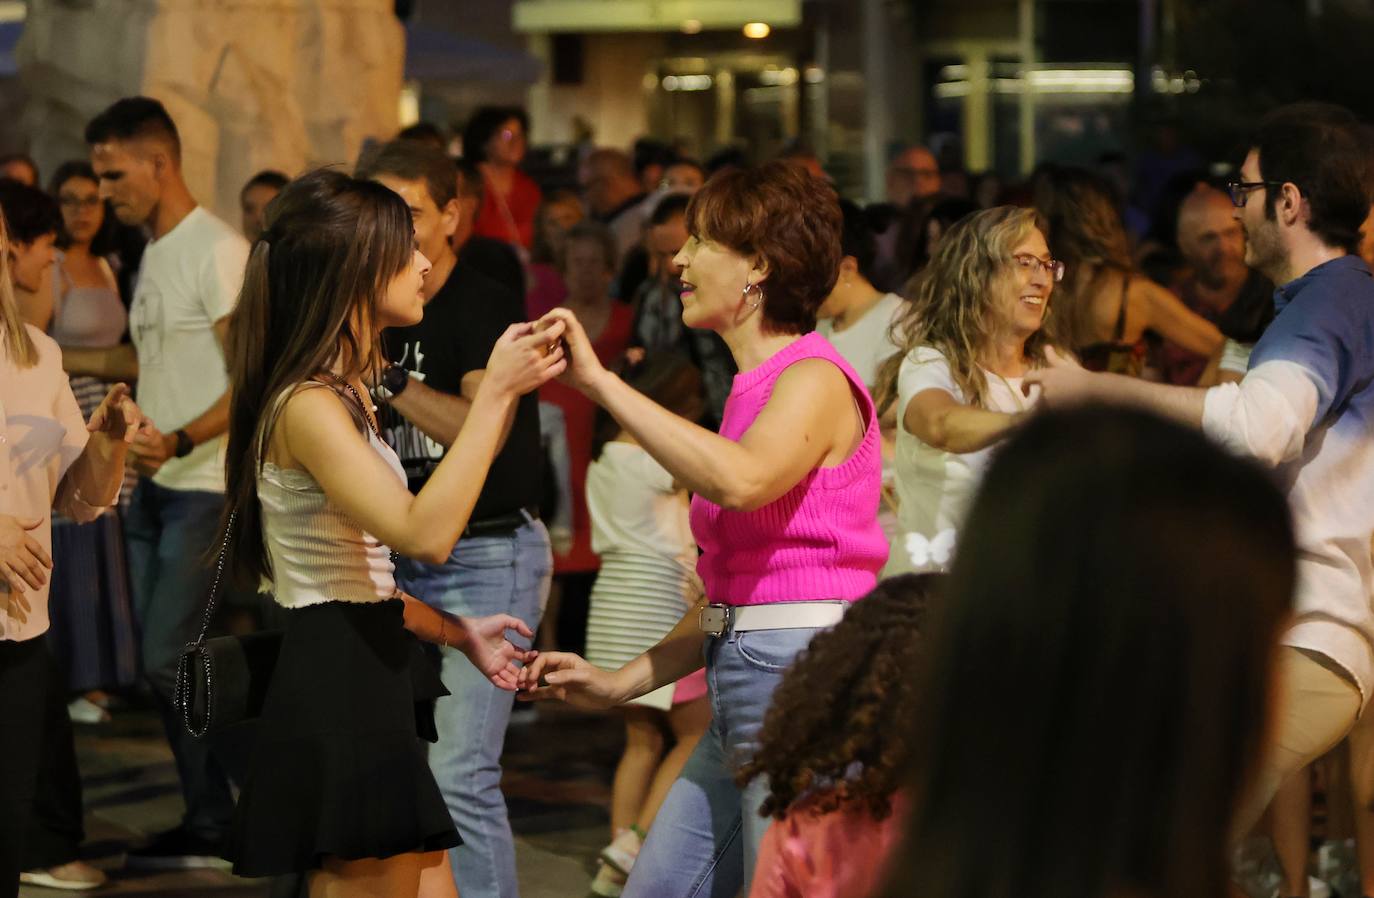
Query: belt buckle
[[715, 620]]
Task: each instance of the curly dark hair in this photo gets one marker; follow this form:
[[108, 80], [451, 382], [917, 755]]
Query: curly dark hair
[[836, 735]]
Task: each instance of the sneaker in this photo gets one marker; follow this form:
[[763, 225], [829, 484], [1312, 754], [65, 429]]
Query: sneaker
[[623, 850], [83, 710], [77, 876], [609, 882], [177, 849]]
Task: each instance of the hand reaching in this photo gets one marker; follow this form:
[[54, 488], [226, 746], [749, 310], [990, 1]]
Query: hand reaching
[[584, 368], [487, 647], [569, 678], [523, 359], [117, 416], [1062, 381]]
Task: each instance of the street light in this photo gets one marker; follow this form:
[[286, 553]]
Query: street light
[[757, 30]]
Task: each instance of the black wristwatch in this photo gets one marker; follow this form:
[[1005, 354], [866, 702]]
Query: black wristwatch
[[184, 444], [392, 382]]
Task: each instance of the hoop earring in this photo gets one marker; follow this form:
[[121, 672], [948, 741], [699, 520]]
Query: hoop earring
[[750, 288]]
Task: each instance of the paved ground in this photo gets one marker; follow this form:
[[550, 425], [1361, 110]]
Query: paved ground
[[558, 770]]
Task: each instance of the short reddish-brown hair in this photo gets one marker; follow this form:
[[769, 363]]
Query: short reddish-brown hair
[[784, 216]]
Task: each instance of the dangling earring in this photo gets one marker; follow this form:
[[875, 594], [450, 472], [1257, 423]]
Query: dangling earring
[[750, 288]]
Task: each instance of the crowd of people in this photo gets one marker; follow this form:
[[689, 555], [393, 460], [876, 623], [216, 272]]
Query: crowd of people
[[992, 537]]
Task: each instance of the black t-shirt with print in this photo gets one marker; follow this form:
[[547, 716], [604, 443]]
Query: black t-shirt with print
[[461, 325]]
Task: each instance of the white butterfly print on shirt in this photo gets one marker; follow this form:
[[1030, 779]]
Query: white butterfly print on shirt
[[934, 552]]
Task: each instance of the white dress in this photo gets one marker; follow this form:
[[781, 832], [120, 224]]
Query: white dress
[[640, 529]]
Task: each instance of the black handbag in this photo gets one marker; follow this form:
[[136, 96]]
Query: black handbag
[[223, 681]]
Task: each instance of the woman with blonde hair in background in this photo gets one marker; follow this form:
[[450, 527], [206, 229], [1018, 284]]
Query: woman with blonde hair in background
[[1105, 306], [51, 459], [975, 324]]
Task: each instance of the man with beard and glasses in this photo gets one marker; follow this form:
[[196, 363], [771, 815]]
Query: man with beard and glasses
[[1303, 407]]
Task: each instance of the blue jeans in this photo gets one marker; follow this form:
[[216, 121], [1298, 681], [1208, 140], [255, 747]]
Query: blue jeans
[[167, 534], [705, 839], [485, 575]]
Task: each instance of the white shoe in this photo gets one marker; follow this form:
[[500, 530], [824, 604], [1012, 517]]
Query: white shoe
[[83, 710], [609, 882], [623, 850], [77, 876]]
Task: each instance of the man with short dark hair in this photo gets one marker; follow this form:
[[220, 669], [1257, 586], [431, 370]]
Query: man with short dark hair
[[260, 190], [1304, 407], [502, 563], [188, 283]]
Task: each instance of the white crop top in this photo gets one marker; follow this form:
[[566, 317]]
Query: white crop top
[[318, 553]]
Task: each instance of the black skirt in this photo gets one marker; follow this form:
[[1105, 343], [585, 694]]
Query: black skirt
[[339, 766]]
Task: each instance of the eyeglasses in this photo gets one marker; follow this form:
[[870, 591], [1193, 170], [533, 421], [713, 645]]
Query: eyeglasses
[[1053, 267], [1240, 190], [78, 202]]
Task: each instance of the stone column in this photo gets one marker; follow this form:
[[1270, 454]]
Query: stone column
[[251, 84]]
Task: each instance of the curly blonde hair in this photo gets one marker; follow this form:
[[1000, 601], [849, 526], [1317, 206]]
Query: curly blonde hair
[[952, 302]]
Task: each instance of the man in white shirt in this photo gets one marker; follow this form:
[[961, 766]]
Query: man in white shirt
[[857, 317], [188, 283], [1304, 407]]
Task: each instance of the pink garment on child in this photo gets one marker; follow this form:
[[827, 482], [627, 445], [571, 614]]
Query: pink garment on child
[[820, 540], [837, 855], [690, 688]]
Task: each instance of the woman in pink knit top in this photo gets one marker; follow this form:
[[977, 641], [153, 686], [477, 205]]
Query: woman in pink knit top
[[785, 507]]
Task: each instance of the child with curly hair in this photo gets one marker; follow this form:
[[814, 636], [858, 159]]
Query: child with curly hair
[[834, 746]]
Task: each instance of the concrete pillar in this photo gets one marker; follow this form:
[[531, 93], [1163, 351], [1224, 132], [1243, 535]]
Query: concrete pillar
[[539, 99], [877, 99], [977, 113], [1026, 33], [251, 84], [725, 107]]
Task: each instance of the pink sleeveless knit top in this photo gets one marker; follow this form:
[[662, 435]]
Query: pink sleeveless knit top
[[820, 540]]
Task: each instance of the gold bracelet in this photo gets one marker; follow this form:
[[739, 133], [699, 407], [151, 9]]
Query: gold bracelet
[[443, 635]]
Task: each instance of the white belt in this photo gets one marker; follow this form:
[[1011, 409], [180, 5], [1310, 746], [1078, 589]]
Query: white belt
[[717, 620]]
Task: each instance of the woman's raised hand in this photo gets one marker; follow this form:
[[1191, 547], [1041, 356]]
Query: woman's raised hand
[[584, 368], [524, 358], [490, 651], [569, 678]]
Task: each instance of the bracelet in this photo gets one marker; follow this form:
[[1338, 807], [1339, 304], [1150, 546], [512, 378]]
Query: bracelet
[[443, 635]]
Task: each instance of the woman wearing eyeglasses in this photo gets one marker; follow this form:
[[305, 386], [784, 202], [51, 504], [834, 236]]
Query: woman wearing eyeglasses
[[1106, 307], [974, 325]]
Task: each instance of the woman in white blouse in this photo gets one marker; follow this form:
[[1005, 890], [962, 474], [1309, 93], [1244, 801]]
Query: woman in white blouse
[[50, 458], [975, 325]]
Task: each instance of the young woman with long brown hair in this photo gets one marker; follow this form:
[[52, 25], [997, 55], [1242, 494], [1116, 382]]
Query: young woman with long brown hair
[[338, 784]]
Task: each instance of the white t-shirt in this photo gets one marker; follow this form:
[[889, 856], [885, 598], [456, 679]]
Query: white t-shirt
[[866, 343], [634, 506], [934, 487], [189, 279]]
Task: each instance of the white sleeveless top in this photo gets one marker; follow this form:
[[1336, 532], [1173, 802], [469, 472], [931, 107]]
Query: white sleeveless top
[[318, 553]]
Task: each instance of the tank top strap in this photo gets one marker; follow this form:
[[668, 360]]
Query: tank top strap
[[274, 409], [1119, 331]]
